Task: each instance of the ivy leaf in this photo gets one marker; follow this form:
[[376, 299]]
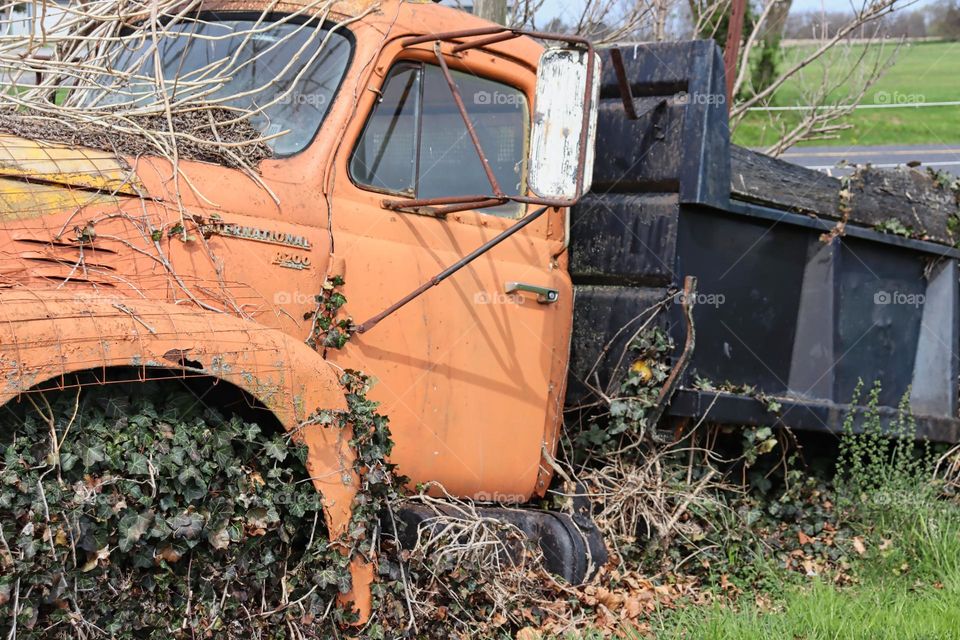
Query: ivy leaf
[[132, 527], [92, 455], [139, 464], [186, 526], [276, 450]]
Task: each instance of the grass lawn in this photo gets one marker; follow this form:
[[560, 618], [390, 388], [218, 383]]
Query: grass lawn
[[881, 611], [922, 72], [898, 577], [906, 586]]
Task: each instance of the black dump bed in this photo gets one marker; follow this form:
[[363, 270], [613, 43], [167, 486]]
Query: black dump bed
[[791, 305]]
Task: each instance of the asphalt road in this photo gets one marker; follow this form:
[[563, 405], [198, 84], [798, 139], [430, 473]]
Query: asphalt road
[[943, 157]]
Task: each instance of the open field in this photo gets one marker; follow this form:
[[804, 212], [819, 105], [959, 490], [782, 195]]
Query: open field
[[923, 72]]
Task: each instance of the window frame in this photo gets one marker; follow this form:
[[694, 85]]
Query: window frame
[[419, 125], [422, 64]]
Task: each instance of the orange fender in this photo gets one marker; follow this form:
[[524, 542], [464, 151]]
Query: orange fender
[[47, 334]]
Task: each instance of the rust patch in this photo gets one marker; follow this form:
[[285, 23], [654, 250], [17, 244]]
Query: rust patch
[[179, 357]]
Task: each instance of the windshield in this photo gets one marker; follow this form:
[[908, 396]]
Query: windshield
[[280, 75]]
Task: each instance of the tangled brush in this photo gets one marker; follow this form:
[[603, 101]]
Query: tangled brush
[[165, 78]]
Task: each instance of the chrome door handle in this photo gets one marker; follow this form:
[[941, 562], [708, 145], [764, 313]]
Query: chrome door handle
[[545, 295]]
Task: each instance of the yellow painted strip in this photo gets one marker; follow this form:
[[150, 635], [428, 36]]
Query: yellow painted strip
[[22, 200], [73, 166]]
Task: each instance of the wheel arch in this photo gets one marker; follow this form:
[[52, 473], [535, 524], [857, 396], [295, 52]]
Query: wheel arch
[[48, 337]]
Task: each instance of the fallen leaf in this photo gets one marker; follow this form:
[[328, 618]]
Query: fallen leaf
[[804, 538], [859, 546], [169, 554], [95, 559]]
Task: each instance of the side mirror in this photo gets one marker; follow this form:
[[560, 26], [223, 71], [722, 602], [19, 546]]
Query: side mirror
[[565, 108]]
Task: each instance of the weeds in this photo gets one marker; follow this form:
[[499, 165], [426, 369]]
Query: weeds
[[878, 553], [882, 464]]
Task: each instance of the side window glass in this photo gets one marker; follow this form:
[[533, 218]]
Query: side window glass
[[434, 156], [385, 157]]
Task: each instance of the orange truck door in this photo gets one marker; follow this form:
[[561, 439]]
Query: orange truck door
[[471, 373]]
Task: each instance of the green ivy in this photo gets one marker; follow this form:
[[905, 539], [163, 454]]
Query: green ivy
[[638, 394], [156, 517], [328, 331]]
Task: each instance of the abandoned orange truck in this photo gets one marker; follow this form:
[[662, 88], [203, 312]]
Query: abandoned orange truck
[[425, 165], [115, 265]]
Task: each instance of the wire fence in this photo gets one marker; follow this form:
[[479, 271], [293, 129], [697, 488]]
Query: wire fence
[[892, 105]]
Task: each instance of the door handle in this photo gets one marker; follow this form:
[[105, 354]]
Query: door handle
[[545, 295]]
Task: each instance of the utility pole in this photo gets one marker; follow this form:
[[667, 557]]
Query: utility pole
[[731, 53], [492, 10]]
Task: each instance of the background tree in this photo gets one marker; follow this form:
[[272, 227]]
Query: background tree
[[492, 10], [945, 19], [846, 56]]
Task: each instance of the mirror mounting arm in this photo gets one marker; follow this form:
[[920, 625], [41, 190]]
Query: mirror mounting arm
[[473, 39], [449, 271], [462, 108]]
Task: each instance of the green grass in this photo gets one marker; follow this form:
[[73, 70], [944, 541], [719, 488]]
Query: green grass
[[909, 591], [902, 584], [871, 612], [922, 72]]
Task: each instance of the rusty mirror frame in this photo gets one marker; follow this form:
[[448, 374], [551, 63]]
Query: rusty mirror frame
[[574, 140]]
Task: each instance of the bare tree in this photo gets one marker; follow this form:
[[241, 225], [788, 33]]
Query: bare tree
[[834, 93], [833, 87], [834, 74]]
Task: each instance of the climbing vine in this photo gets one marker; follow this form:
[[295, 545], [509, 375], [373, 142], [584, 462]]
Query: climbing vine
[[372, 444], [638, 393], [327, 330]]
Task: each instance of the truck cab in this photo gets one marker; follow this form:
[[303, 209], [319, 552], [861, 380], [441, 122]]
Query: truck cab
[[385, 153]]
